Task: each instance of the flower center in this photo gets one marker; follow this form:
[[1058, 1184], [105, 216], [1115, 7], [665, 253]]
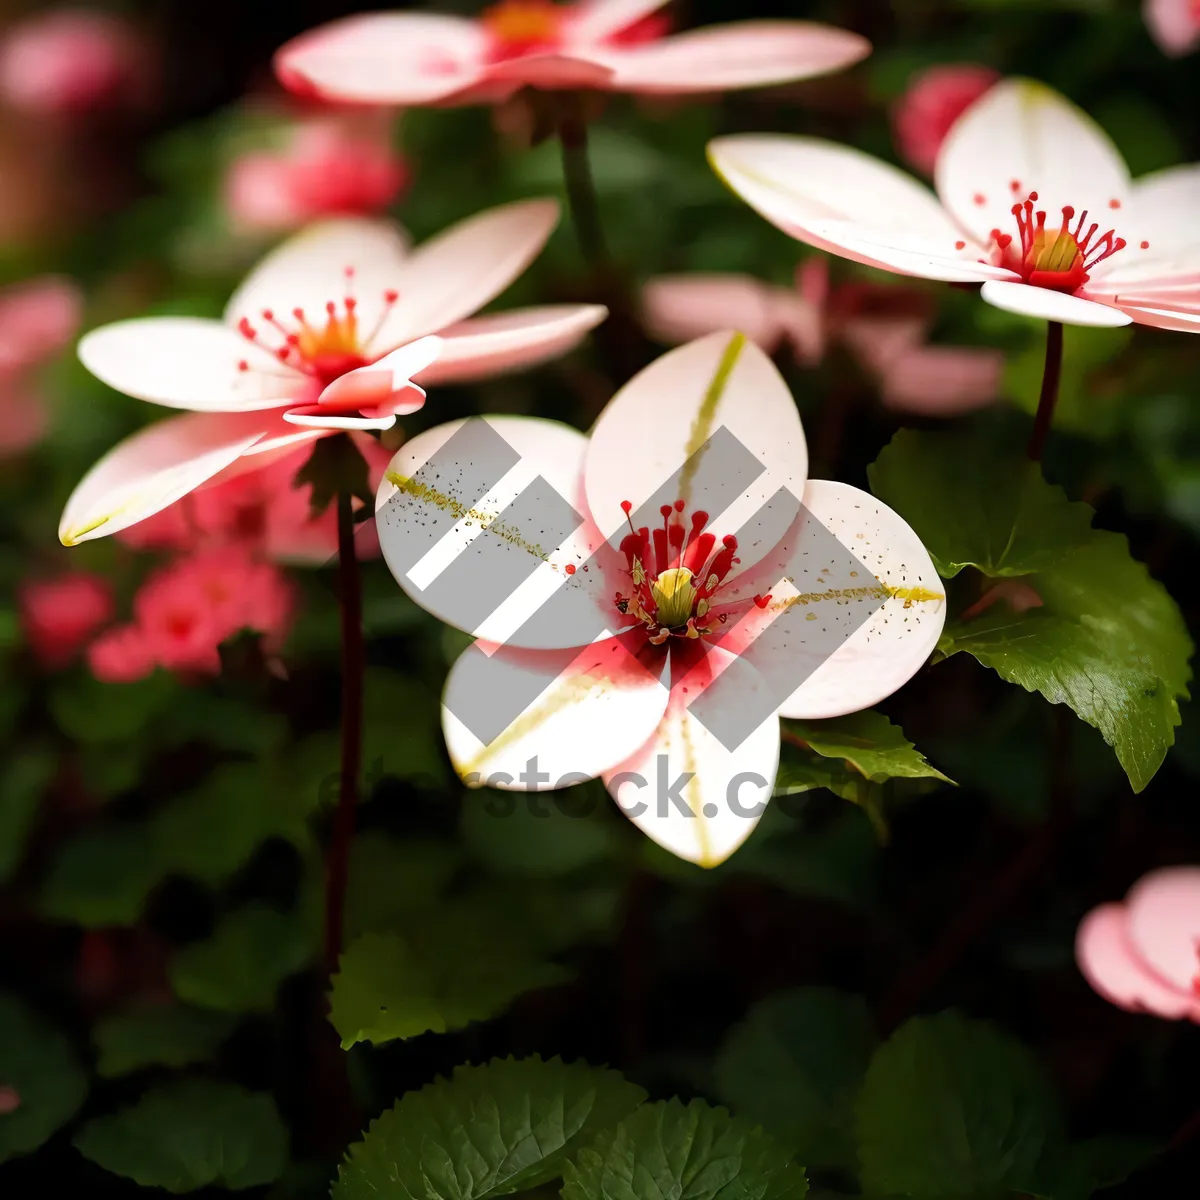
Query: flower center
[[325, 349], [520, 27], [677, 572], [1061, 258]]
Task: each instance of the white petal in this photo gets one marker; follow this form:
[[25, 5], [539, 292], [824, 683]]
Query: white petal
[[309, 271], [684, 788], [313, 416], [186, 362], [847, 674], [664, 417], [456, 273], [1048, 305], [919, 255], [597, 20], [1163, 318], [1022, 132], [587, 715]]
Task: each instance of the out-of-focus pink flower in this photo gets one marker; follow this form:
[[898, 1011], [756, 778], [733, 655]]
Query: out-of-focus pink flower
[[329, 167], [10, 1100], [934, 100], [59, 615], [416, 58], [885, 327], [71, 61], [186, 609], [1144, 954], [37, 319], [259, 511], [1173, 24]]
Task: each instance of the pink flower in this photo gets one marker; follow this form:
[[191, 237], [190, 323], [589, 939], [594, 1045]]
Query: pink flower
[[678, 607], [414, 58], [10, 1100], [325, 335], [59, 615], [935, 99], [327, 168], [886, 328], [37, 319], [186, 609], [1173, 24], [1033, 202], [1144, 955], [69, 61]]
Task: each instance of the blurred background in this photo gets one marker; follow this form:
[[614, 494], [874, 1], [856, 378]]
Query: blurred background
[[160, 819]]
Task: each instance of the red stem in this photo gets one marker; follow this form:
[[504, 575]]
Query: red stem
[[1051, 376]]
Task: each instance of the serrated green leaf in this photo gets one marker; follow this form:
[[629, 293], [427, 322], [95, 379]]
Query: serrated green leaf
[[23, 778], [191, 1135], [43, 1084], [796, 1063], [489, 1130], [950, 1108], [239, 969], [870, 743], [971, 507], [694, 1150], [164, 1035], [102, 877]]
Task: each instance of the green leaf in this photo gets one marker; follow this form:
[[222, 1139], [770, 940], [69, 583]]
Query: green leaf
[[239, 969], [334, 467], [1088, 1167], [102, 877], [39, 1074], [869, 743], [164, 1035], [23, 779], [90, 711], [489, 1130], [972, 508], [390, 881], [952, 1108], [190, 1135], [457, 965], [669, 1149], [796, 1063]]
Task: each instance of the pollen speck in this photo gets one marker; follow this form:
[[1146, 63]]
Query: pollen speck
[[569, 568], [1145, 245], [1114, 203], [960, 245]]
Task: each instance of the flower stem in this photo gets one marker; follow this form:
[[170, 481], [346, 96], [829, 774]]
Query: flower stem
[[1051, 375], [338, 861], [581, 187]]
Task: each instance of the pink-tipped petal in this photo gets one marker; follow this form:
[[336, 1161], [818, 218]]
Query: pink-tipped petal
[[740, 55], [480, 347], [685, 788], [678, 308], [598, 20], [186, 362], [386, 58], [1107, 958], [1163, 920], [549, 71], [154, 468], [385, 384], [456, 273], [1164, 318], [1022, 137], [1048, 305], [943, 381], [588, 717], [1173, 24]]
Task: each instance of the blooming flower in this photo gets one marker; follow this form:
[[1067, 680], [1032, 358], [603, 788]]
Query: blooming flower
[[325, 335], [885, 328], [59, 615], [931, 104], [37, 319], [185, 610], [645, 621], [327, 167], [1033, 201], [1144, 954], [1173, 24], [612, 45]]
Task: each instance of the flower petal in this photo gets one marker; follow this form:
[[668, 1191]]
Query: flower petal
[[1163, 318], [452, 275], [385, 58], [317, 416], [846, 674], [742, 54], [385, 383], [309, 271], [1163, 920], [919, 255], [1048, 305], [1173, 24], [597, 20], [665, 417], [589, 714], [155, 467], [550, 71], [1106, 957], [678, 308], [684, 788], [186, 362], [1022, 137], [483, 346], [943, 381]]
